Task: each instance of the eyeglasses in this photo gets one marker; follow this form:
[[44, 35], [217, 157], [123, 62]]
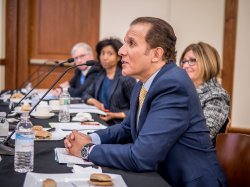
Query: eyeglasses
[[80, 57], [191, 61]]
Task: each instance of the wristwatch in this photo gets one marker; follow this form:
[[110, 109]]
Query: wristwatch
[[85, 151]]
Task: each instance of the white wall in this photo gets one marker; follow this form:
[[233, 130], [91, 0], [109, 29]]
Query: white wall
[[198, 20], [192, 20], [2, 41], [116, 15], [241, 101]]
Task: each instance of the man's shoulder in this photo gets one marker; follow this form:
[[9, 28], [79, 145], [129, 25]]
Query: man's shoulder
[[171, 72]]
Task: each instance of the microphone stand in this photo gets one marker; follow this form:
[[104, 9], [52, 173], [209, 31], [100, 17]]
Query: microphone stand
[[70, 60], [4, 146], [31, 78]]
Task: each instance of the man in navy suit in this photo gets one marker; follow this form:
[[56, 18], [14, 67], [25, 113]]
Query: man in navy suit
[[84, 75], [167, 133]]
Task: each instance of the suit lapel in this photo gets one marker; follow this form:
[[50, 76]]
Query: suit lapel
[[146, 105], [99, 83], [115, 82], [134, 109]]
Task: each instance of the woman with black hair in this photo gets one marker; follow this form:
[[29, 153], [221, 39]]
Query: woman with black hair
[[110, 92]]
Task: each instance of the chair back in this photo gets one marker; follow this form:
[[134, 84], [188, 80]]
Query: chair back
[[233, 153]]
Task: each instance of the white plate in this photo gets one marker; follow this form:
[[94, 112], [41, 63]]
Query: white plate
[[42, 116], [58, 134], [67, 179]]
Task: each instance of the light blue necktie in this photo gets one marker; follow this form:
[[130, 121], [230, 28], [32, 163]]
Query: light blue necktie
[[82, 78]]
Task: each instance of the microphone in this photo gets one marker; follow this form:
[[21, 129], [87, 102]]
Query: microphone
[[4, 146], [88, 63], [70, 60], [32, 78]]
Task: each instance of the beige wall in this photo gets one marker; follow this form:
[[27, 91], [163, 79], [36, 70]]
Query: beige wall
[[116, 15], [2, 40], [193, 20], [241, 101]]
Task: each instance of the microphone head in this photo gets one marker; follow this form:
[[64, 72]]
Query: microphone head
[[70, 60], [91, 62]]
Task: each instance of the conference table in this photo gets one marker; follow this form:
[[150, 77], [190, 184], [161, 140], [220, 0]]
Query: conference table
[[44, 162]]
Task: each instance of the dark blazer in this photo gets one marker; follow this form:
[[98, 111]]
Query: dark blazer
[[76, 89], [119, 95], [173, 138]]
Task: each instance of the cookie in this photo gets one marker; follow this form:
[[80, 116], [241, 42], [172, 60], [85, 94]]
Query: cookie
[[49, 183], [100, 179]]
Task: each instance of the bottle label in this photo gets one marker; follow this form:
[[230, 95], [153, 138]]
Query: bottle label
[[64, 101], [24, 143]]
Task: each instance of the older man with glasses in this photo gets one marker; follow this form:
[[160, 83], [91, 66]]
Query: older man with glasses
[[84, 75]]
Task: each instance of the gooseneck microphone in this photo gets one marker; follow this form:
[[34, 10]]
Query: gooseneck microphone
[[32, 77], [70, 60], [4, 146], [88, 63]]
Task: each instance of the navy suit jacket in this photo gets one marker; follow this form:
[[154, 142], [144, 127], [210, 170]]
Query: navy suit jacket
[[76, 89], [119, 94], [172, 139]]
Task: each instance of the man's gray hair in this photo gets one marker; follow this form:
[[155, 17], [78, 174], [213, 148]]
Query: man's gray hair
[[84, 46]]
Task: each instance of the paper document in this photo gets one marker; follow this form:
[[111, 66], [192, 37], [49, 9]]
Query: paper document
[[77, 126], [87, 110], [63, 157], [81, 107]]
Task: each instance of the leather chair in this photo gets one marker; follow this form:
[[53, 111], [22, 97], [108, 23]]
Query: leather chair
[[233, 153]]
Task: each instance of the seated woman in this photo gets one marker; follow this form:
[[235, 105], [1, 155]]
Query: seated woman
[[202, 63], [110, 92]]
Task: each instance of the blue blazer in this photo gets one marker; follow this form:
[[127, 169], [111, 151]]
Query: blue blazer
[[172, 139], [119, 94]]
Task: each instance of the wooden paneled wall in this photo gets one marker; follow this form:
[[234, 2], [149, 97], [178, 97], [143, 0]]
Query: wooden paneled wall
[[46, 30]]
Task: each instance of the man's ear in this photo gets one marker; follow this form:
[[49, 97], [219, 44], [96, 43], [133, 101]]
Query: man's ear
[[157, 54]]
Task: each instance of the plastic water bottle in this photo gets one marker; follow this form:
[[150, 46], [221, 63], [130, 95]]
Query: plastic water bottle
[[24, 145], [64, 99], [4, 125]]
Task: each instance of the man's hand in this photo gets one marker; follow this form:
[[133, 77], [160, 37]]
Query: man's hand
[[75, 142]]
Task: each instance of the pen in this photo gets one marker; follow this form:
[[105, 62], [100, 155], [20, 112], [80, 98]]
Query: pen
[[89, 123]]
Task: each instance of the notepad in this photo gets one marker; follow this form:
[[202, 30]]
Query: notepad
[[77, 126], [62, 157]]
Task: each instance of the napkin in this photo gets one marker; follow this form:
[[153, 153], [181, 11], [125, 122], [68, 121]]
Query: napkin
[[62, 157], [90, 169], [82, 116]]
